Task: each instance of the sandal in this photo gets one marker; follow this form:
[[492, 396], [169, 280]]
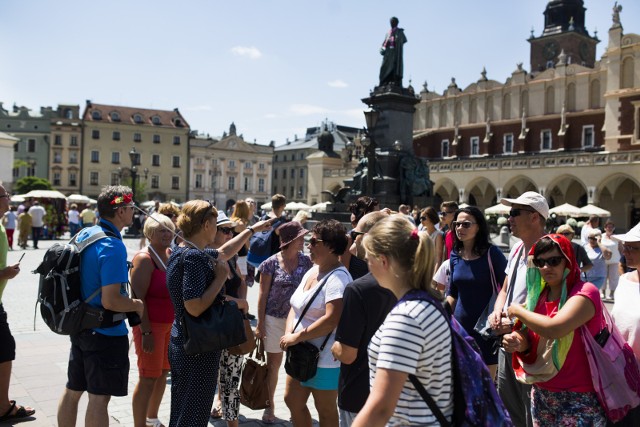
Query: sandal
[[216, 412], [21, 412], [268, 417], [154, 422]]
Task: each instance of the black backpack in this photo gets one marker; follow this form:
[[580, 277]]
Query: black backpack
[[59, 294]]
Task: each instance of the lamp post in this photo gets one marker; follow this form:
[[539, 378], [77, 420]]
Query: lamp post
[[369, 145], [135, 161]]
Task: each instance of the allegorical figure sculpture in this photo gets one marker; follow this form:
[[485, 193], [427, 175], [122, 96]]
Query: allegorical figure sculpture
[[391, 50]]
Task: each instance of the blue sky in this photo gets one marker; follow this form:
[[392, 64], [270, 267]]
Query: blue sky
[[272, 67]]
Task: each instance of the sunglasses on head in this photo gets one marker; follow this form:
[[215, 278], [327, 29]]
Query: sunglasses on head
[[463, 224], [225, 230], [553, 261], [517, 211], [354, 234], [313, 241]]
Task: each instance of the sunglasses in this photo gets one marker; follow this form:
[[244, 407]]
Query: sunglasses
[[444, 213], [225, 230], [567, 233], [463, 224], [517, 211], [313, 241], [354, 234], [630, 248], [553, 261], [423, 218], [7, 195]]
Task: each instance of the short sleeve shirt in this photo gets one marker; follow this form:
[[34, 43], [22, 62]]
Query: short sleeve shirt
[[101, 264], [333, 289], [37, 214], [283, 284]]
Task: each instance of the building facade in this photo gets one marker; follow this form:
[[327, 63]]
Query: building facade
[[65, 149], [303, 168], [31, 151], [161, 142], [7, 144], [233, 168], [570, 129]]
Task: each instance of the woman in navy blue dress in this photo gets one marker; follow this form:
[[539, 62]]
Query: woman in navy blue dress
[[195, 276], [471, 284]]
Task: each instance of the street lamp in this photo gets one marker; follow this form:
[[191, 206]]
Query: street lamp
[[369, 145], [134, 156]]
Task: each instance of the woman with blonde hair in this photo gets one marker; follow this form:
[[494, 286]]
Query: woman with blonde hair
[[241, 216], [195, 275], [415, 338], [151, 338]]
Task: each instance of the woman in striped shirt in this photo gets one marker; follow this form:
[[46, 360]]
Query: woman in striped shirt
[[415, 337]]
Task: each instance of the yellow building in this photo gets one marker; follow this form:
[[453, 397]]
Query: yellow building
[[160, 139]]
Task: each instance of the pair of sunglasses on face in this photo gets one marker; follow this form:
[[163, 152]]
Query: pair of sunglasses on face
[[553, 261]]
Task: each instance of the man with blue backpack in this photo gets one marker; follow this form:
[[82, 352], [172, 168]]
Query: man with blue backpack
[[266, 243]]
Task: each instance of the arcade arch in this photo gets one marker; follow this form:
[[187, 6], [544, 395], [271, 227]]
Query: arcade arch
[[481, 193], [518, 185], [566, 189]]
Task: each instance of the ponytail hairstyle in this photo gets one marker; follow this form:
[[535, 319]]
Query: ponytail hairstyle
[[413, 252]]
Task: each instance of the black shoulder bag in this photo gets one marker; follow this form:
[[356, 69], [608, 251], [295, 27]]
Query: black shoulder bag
[[301, 362]]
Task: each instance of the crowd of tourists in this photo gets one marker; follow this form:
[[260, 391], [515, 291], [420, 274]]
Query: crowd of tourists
[[365, 317]]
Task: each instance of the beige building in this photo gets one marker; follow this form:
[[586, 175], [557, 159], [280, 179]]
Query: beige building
[[303, 168], [569, 130], [65, 149], [160, 139], [230, 169]]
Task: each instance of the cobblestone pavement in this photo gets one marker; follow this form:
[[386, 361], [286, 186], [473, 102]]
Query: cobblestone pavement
[[39, 372]]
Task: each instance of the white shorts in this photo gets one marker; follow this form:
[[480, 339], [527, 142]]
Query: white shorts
[[242, 265], [274, 329]]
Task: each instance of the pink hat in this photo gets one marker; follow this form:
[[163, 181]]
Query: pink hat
[[290, 232]]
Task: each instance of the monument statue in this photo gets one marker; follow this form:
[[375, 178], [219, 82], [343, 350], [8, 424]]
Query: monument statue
[[391, 51], [414, 178], [339, 196], [616, 14]]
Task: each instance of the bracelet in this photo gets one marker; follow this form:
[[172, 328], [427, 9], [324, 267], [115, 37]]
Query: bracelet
[[250, 228], [144, 334]]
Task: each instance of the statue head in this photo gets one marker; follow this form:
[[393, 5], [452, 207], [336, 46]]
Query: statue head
[[394, 22]]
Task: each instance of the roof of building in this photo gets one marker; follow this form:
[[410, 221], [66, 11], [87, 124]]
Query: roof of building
[[133, 115]]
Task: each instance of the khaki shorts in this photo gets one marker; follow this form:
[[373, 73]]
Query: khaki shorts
[[274, 329]]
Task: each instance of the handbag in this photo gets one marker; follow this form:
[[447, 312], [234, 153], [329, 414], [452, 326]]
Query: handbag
[[254, 385], [614, 370], [220, 326], [247, 346], [483, 326], [301, 361]]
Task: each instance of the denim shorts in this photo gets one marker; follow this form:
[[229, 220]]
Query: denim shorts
[[7, 343], [99, 364], [325, 379]]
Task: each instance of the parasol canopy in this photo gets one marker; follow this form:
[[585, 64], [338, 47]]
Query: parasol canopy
[[44, 194], [498, 209], [594, 210], [566, 209]]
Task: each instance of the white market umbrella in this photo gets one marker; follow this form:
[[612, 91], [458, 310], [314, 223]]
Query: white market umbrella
[[297, 206], [44, 194], [498, 209], [566, 209], [594, 210], [463, 205], [18, 198], [320, 207], [266, 206], [78, 198]]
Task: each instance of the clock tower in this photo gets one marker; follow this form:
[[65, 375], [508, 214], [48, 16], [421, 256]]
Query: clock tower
[[564, 30]]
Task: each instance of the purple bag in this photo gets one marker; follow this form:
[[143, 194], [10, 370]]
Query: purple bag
[[614, 370]]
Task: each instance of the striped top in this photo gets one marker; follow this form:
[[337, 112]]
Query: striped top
[[415, 338]]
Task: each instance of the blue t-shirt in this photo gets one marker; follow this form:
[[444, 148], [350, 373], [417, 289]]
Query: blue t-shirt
[[103, 263], [471, 287]]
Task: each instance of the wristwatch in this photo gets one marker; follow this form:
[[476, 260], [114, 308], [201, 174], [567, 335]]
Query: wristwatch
[[250, 228]]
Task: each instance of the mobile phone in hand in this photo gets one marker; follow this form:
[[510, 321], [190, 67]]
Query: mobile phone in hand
[[22, 256]]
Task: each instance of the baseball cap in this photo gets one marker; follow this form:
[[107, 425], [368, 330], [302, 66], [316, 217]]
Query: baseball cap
[[632, 235], [533, 199]]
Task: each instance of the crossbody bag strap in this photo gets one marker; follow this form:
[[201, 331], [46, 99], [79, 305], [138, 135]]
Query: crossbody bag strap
[[306, 308], [494, 283], [429, 401]]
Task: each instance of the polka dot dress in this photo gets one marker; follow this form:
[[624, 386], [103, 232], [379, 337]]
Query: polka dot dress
[[193, 378]]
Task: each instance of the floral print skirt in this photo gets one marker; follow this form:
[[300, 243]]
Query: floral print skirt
[[566, 409]]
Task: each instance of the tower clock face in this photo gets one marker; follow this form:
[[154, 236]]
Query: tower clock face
[[584, 51], [550, 50]]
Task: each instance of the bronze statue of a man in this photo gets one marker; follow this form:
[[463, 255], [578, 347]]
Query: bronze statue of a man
[[391, 51]]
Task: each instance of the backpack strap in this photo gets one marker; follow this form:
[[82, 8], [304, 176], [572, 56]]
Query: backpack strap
[[429, 401]]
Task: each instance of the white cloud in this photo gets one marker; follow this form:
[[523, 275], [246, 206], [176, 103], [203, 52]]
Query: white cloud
[[270, 116], [307, 109], [356, 113], [251, 52], [337, 83]]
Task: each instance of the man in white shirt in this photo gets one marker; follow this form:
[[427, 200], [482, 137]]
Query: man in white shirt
[[37, 213], [527, 220], [591, 224]]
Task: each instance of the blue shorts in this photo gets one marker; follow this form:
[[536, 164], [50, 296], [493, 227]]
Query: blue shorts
[[325, 379]]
